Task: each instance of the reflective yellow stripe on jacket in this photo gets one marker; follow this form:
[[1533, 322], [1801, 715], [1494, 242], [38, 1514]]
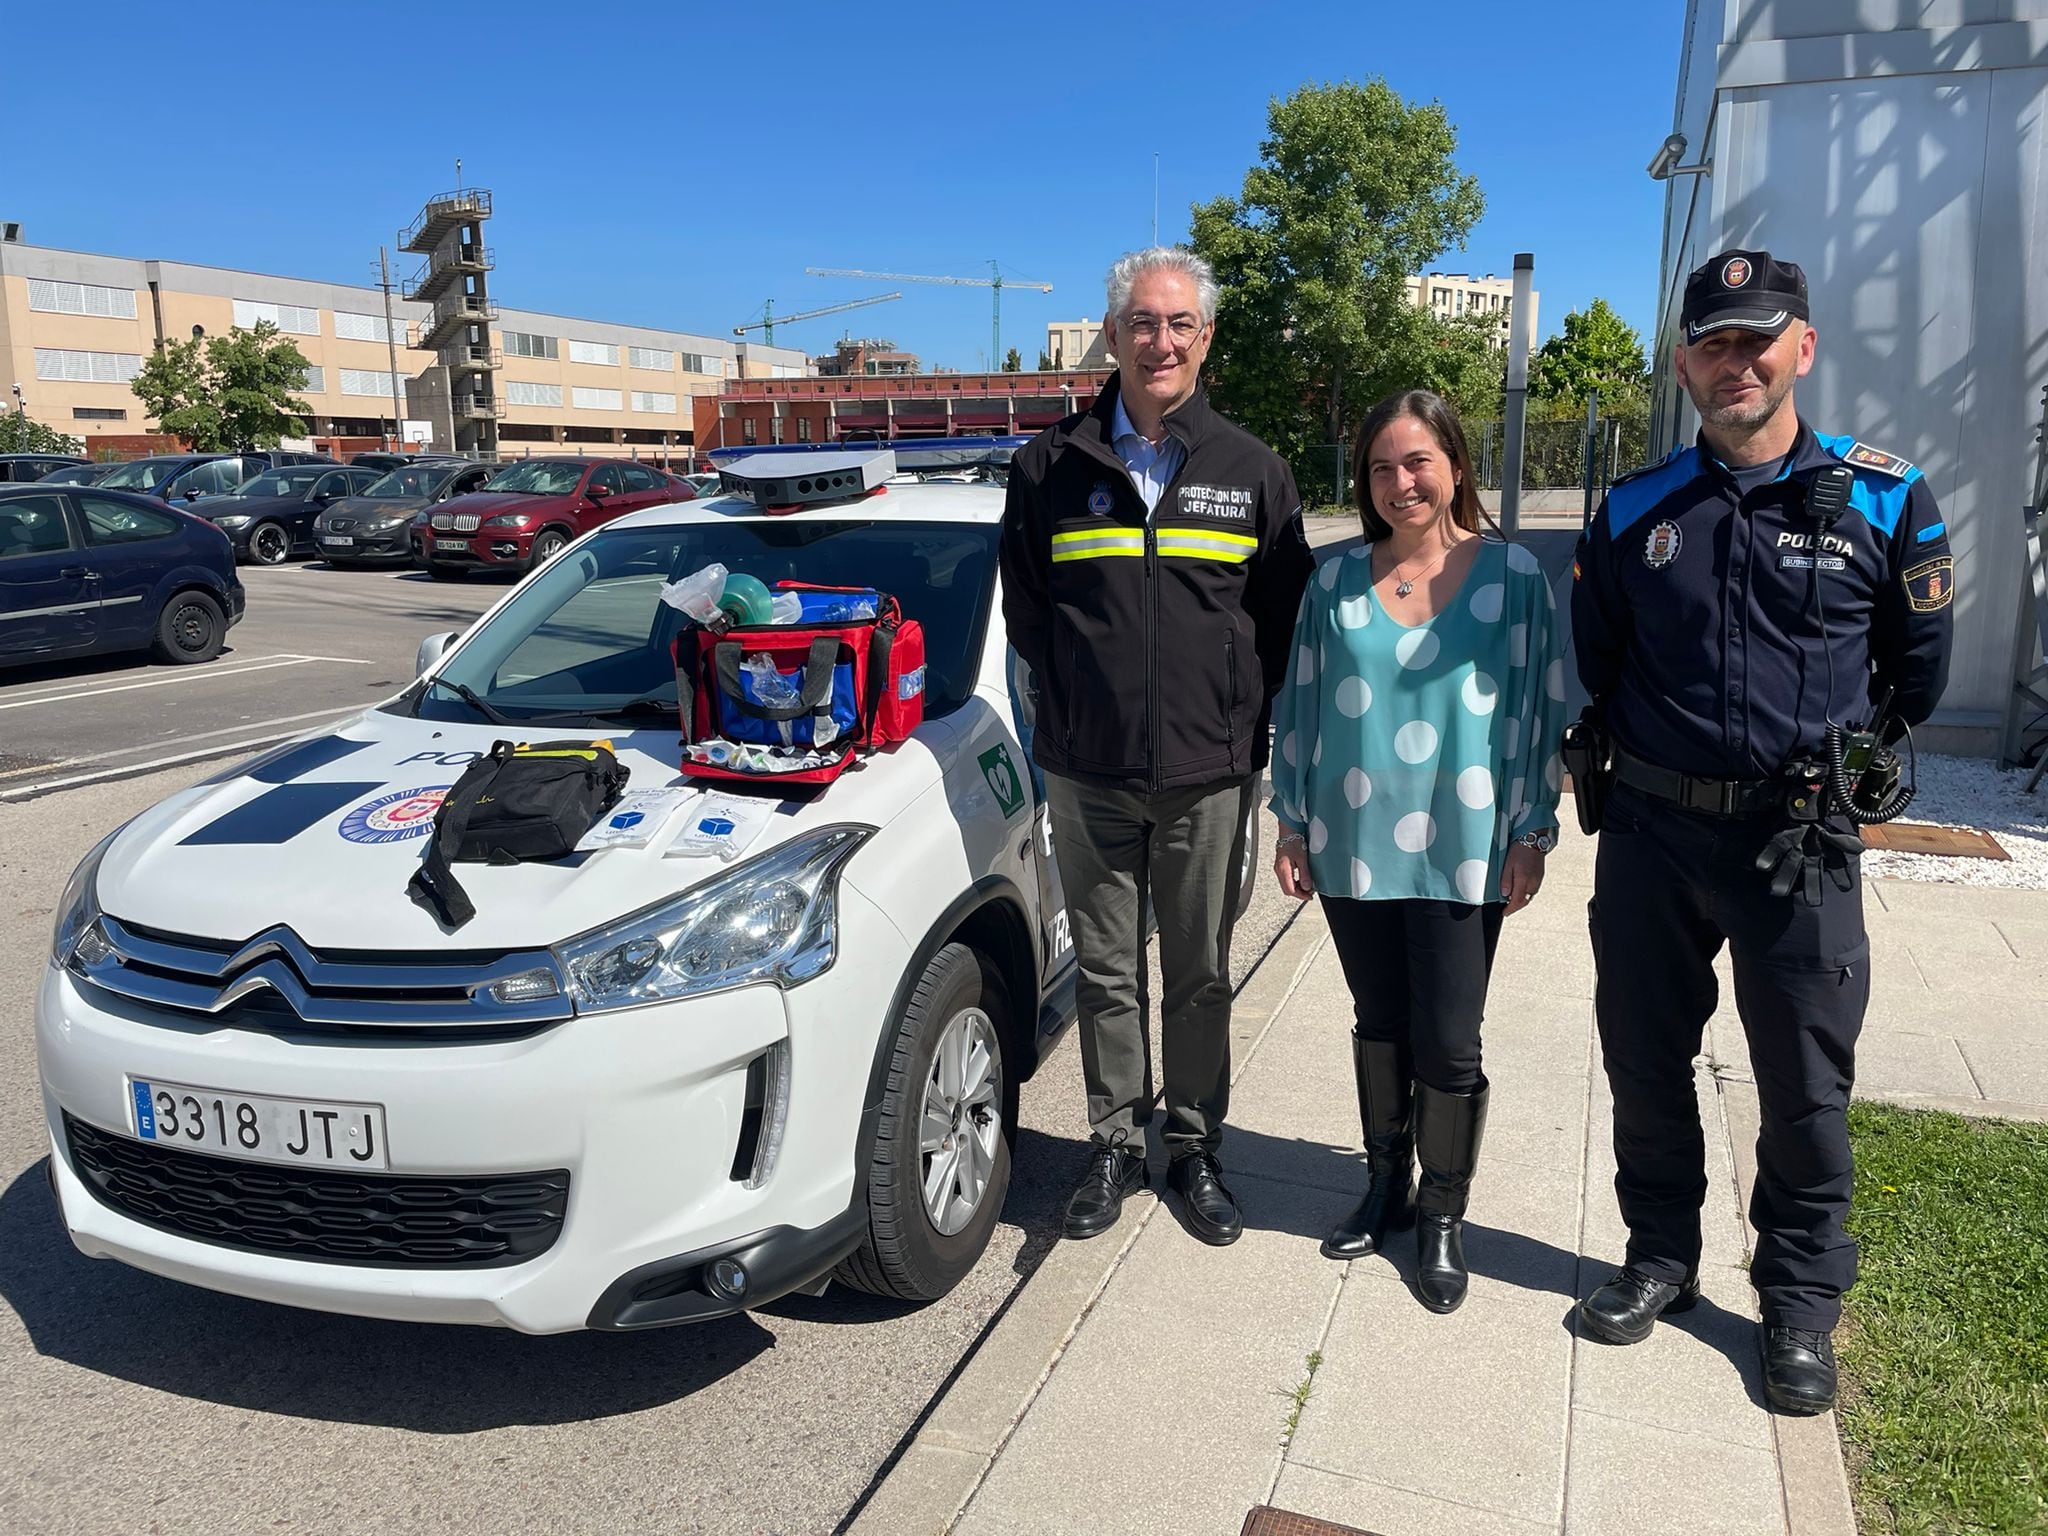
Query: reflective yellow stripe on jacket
[[1206, 544], [1095, 543]]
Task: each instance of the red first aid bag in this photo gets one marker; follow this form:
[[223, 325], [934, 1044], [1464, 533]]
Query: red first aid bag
[[796, 702]]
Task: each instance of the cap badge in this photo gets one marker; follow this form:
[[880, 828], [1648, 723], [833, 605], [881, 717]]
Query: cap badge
[[1735, 273]]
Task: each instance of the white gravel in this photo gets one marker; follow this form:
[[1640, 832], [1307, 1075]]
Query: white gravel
[[1974, 792]]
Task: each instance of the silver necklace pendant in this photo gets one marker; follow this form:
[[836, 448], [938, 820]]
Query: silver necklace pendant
[[1403, 588]]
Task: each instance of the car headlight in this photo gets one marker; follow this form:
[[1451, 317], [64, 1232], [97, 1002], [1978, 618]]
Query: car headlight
[[232, 520], [508, 520], [78, 910], [773, 919]]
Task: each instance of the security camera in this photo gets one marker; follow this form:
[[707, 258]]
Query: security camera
[[1666, 160]]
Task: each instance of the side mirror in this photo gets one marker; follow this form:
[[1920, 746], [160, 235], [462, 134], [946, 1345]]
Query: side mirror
[[599, 492], [432, 649], [191, 493]]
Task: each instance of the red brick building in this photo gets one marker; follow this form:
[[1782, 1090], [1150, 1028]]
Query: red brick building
[[812, 410]]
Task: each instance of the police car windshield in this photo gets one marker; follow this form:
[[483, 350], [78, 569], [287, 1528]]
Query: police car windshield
[[589, 637]]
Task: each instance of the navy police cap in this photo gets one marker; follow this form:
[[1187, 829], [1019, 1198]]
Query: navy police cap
[[1751, 290]]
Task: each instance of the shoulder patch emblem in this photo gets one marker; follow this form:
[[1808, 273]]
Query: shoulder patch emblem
[[1867, 457], [1930, 585], [1101, 500], [1661, 547]]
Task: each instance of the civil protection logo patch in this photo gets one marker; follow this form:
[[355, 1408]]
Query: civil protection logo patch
[[1661, 547], [395, 817], [1101, 501]]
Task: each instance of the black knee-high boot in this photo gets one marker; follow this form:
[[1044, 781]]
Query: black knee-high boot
[[1384, 1109], [1448, 1128]]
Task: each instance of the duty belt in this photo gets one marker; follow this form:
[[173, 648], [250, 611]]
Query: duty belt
[[1714, 797]]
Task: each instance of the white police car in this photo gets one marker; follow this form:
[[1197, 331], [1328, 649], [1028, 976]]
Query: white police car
[[637, 1088]]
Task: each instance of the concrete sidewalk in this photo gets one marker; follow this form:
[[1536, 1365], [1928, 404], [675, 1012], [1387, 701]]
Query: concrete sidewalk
[[1144, 1382]]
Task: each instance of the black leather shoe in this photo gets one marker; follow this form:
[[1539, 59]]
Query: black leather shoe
[[1625, 1309], [1098, 1200], [1799, 1370], [1211, 1209]]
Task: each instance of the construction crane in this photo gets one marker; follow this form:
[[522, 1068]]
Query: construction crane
[[768, 321], [995, 280]]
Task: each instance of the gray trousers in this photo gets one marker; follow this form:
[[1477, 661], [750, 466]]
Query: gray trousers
[[1183, 847]]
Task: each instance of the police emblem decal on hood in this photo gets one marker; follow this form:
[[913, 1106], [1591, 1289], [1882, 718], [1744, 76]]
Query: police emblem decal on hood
[[393, 818]]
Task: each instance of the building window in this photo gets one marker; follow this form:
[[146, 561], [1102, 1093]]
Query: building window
[[786, 371], [352, 327], [81, 299], [747, 431], [520, 344], [525, 432], [365, 381], [86, 367], [803, 429], [292, 319], [596, 399], [98, 413], [316, 378], [651, 357], [519, 392], [603, 353], [645, 401]]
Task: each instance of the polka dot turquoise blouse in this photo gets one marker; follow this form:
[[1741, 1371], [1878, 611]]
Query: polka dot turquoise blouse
[[1411, 758]]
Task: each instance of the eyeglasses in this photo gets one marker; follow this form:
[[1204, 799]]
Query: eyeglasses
[[1182, 328]]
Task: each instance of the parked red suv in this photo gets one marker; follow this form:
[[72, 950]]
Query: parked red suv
[[525, 514]]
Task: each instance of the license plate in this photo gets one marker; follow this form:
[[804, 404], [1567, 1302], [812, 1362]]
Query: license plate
[[452, 545], [304, 1132], [345, 540]]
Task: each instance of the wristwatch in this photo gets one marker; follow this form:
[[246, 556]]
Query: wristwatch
[[1542, 841]]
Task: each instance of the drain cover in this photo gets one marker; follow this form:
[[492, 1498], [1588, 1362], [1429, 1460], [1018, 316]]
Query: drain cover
[[1943, 842], [1264, 1520]]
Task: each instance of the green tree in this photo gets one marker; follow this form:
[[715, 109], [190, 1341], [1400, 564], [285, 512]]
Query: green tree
[[21, 433], [1044, 361], [234, 391], [1013, 361], [1459, 358], [1355, 189], [1597, 349]]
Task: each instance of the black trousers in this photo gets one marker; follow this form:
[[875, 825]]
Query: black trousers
[[1669, 888], [1418, 972]]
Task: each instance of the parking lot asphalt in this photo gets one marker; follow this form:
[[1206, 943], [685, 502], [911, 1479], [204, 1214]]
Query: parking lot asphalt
[[130, 1403]]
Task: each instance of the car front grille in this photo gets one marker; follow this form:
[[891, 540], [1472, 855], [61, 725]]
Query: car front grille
[[333, 1217]]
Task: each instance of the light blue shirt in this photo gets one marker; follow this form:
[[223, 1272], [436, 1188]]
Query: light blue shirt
[[1150, 468], [1410, 757]]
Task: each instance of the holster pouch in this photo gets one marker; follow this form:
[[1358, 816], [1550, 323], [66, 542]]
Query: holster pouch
[[1589, 759]]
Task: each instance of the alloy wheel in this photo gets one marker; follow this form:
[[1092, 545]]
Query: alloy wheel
[[962, 1120]]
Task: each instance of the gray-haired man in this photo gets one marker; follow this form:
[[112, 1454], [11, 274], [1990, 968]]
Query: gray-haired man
[[1152, 561]]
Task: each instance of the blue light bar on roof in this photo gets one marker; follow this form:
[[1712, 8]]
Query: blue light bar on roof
[[912, 453]]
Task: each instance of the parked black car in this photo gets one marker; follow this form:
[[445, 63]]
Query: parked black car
[[83, 570], [270, 518], [78, 474], [33, 466], [373, 525], [376, 459], [187, 477]]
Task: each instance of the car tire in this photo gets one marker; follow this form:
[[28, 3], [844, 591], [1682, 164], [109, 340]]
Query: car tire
[[953, 1036], [190, 629], [440, 570], [547, 544], [269, 544]]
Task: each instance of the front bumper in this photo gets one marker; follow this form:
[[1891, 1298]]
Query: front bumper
[[380, 544], [487, 548], [645, 1109]]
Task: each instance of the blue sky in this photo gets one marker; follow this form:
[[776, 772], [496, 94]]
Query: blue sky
[[679, 171]]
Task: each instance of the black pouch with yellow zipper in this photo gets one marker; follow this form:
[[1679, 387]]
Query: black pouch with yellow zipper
[[516, 803]]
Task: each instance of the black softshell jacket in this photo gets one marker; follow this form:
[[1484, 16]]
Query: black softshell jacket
[[1157, 644]]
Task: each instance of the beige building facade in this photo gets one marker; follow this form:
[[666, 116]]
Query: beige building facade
[[1452, 295], [76, 327], [1071, 344]]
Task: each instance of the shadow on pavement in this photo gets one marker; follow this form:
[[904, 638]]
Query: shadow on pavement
[[120, 1322]]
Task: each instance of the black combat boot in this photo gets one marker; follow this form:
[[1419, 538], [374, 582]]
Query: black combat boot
[[1448, 1128], [1385, 1101]]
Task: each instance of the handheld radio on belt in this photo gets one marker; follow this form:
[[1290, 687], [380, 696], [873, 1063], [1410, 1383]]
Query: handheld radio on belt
[[1861, 776]]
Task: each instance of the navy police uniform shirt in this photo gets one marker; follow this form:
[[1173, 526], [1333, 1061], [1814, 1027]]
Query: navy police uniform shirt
[[1698, 627]]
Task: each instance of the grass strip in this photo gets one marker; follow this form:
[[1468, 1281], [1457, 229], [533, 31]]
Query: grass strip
[[1944, 1346]]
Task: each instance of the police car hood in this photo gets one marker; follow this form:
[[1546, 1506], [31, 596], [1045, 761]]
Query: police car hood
[[322, 835]]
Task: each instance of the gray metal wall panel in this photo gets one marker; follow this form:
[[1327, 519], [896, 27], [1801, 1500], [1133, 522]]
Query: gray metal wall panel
[[1751, 20]]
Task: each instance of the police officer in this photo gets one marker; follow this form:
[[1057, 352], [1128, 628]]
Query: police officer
[[1738, 611]]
